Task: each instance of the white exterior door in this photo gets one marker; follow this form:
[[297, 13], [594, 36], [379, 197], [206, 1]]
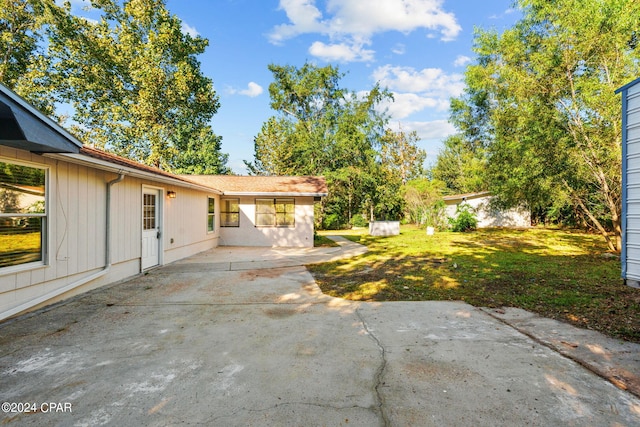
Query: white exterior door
[[150, 228]]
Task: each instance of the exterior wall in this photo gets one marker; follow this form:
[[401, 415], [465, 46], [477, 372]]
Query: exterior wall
[[631, 183], [489, 217], [76, 232], [384, 228], [247, 234]]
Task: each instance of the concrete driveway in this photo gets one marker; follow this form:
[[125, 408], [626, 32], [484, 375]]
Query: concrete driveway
[[244, 337]]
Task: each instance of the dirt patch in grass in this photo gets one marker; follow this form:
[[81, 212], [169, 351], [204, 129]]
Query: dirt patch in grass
[[565, 275]]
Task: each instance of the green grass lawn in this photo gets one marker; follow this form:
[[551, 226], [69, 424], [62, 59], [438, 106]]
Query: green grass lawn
[[565, 275]]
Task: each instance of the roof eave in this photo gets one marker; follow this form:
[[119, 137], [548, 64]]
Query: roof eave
[[628, 85], [41, 133]]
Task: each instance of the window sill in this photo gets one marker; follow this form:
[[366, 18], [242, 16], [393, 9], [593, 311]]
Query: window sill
[[13, 269]]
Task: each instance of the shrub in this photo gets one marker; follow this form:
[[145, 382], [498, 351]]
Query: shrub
[[358, 221], [332, 222], [465, 219]]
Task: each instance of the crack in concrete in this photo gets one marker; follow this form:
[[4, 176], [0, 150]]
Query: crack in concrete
[[380, 371]]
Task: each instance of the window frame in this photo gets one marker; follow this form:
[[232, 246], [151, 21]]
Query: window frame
[[211, 215], [224, 212], [275, 214], [44, 219]]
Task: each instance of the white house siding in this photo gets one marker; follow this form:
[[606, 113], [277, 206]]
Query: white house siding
[[247, 234], [186, 223], [631, 183], [77, 231], [491, 217]]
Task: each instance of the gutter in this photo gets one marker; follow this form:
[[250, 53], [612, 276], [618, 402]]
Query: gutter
[[107, 266], [272, 194]]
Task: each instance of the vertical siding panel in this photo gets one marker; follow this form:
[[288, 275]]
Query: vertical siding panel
[[83, 224], [60, 249], [92, 206], [54, 219], [75, 219], [132, 240], [119, 231], [101, 179]]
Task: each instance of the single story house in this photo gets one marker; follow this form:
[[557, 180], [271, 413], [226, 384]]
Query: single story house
[[487, 215], [266, 210], [74, 218], [630, 253]]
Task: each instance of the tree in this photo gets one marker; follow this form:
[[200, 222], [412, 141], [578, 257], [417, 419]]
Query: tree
[[132, 78], [400, 154], [543, 96], [321, 128], [461, 166], [424, 203], [25, 65]]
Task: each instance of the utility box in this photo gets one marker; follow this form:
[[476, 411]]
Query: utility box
[[384, 228], [630, 254]]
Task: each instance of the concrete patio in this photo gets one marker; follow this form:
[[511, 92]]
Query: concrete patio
[[244, 337]]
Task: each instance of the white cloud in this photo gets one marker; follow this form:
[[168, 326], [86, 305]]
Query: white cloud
[[304, 17], [341, 52], [359, 17], [350, 24], [253, 89], [405, 104], [461, 61], [399, 49], [188, 29], [430, 134], [428, 81], [507, 12], [417, 90], [435, 129]]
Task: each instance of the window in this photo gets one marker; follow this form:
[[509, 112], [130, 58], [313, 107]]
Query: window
[[230, 213], [149, 212], [275, 212], [23, 214], [211, 214]]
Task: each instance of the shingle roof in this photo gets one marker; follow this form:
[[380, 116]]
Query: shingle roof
[[276, 185], [228, 184], [122, 161], [466, 196]]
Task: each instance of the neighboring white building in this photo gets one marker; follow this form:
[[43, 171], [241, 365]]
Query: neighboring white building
[[488, 216], [73, 218], [630, 254]]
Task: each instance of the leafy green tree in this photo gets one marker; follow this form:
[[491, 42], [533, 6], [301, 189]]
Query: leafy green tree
[[136, 85], [132, 78], [25, 65], [542, 97], [461, 166], [424, 204], [321, 128], [401, 155]]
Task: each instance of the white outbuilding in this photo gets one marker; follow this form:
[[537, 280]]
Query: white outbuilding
[[630, 256], [488, 215]]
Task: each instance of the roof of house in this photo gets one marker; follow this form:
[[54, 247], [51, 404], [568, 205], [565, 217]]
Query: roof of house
[[236, 185], [628, 85], [122, 161], [465, 196], [23, 126]]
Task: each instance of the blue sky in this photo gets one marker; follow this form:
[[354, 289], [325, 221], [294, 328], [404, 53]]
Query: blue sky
[[418, 49]]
